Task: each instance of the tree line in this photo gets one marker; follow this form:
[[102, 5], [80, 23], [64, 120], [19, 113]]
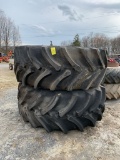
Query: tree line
[[97, 40], [9, 33]]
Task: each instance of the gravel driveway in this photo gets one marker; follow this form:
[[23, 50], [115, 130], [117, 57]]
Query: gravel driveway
[[19, 141]]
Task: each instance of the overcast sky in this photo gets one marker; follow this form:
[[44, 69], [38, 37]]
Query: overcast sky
[[40, 21]]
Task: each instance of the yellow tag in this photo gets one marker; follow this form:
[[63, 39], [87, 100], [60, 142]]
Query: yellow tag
[[53, 50]]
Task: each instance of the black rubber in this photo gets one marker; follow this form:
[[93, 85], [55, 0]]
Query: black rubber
[[112, 91], [112, 75], [61, 110], [71, 68], [10, 66]]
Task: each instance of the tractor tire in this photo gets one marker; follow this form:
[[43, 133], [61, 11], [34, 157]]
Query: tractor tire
[[112, 75], [10, 66], [61, 110], [112, 91], [70, 68]]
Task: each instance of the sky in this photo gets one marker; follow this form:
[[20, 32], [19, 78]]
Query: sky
[[42, 21]]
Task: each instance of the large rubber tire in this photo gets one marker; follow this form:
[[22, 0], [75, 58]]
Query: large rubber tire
[[112, 75], [71, 68], [61, 110], [112, 91], [10, 66]]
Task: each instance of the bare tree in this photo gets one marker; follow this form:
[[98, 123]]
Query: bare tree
[[85, 41], [100, 41], [16, 36], [96, 40], [2, 25], [9, 33], [115, 45]]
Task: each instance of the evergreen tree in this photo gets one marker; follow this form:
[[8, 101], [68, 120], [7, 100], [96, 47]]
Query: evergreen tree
[[76, 41]]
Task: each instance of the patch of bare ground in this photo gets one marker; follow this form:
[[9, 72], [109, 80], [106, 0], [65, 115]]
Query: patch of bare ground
[[19, 141]]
